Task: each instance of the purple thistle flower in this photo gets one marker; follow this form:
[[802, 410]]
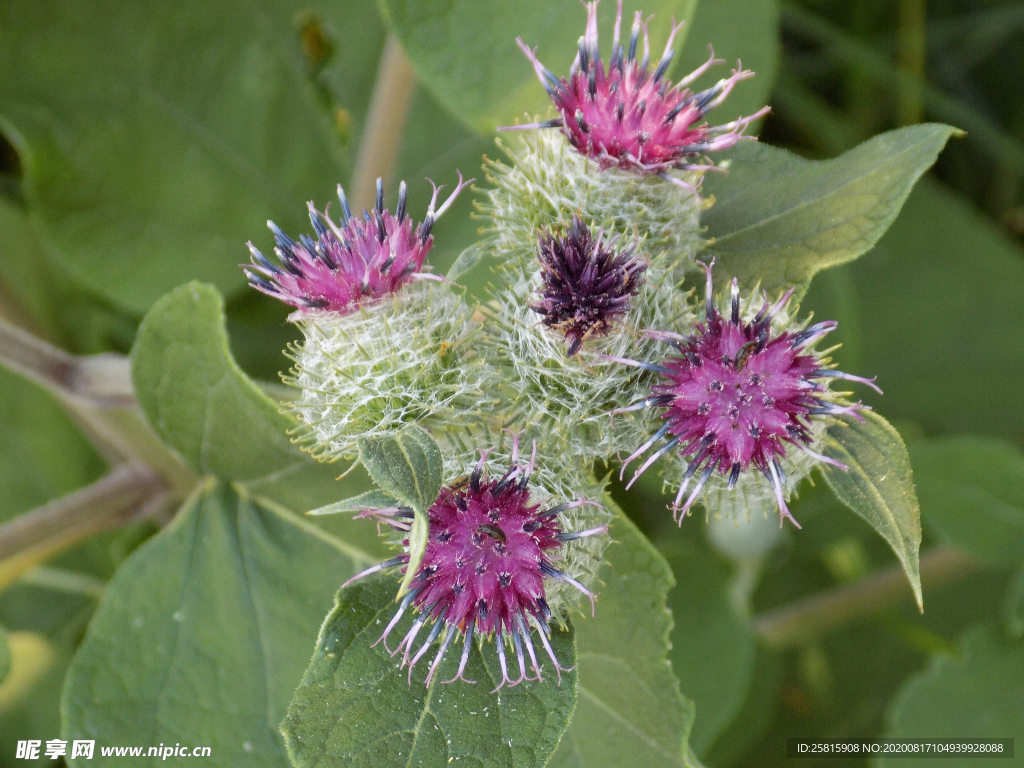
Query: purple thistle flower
[[738, 397], [586, 284], [488, 553], [354, 261], [630, 118]]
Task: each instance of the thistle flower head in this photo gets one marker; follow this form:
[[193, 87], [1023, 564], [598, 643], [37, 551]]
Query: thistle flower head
[[628, 117], [489, 554], [736, 396], [353, 261], [587, 284]]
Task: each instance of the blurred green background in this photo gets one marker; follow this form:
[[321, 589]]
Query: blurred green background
[[141, 145]]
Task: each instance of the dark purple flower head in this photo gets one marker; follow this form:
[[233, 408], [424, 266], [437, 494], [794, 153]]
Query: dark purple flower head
[[587, 285], [735, 396], [351, 262], [628, 117], [488, 554]]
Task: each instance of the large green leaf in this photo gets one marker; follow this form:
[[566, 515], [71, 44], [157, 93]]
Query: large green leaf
[[157, 140], [466, 52], [878, 485], [935, 311], [203, 634], [745, 30], [712, 646], [355, 707], [780, 219], [976, 695], [630, 711], [972, 493]]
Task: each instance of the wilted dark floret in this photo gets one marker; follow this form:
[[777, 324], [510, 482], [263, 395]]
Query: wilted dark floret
[[587, 285]]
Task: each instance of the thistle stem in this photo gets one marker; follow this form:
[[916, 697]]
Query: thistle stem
[[382, 133], [806, 619], [103, 381], [97, 392], [113, 499]]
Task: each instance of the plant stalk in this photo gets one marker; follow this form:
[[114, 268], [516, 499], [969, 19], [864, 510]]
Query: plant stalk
[[114, 499], [804, 620], [382, 133]]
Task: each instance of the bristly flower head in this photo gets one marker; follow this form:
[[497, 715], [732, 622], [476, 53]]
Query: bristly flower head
[[737, 396], [628, 117], [587, 285], [483, 573], [351, 262]]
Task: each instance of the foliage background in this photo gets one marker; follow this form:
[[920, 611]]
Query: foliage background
[[143, 145]]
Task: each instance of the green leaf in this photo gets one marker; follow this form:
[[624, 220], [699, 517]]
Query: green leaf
[[712, 647], [972, 494], [467, 56], [369, 500], [630, 712], [935, 311], [878, 485], [202, 635], [407, 466], [356, 707], [156, 142], [5, 655], [465, 263], [973, 696], [195, 396], [747, 30], [780, 219]]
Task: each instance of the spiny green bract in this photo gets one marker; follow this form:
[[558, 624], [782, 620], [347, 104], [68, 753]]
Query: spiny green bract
[[407, 359], [548, 181]]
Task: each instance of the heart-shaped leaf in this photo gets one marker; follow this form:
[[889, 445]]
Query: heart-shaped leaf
[[156, 141], [203, 633]]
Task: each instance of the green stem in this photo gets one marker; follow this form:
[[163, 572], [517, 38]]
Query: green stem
[[912, 58], [804, 620], [103, 381], [97, 392], [381, 136], [112, 500]]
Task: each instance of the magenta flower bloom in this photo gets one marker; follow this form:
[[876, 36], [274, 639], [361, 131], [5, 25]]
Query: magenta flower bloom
[[488, 554], [737, 397], [628, 117], [587, 285], [352, 261]]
